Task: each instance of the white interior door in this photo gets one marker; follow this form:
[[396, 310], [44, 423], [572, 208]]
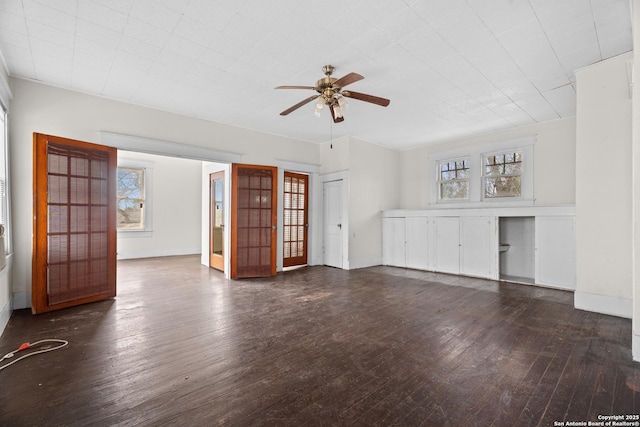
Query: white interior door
[[333, 229]]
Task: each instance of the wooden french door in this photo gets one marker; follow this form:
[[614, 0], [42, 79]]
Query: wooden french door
[[74, 237], [296, 202], [253, 221], [216, 220]]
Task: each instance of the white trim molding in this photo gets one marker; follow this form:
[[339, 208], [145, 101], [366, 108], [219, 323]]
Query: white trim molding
[[155, 253], [167, 148], [604, 304], [5, 89], [5, 315], [635, 347], [21, 300]]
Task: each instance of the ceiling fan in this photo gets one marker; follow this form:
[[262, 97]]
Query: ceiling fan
[[330, 93]]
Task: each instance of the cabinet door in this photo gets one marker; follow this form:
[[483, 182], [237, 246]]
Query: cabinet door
[[447, 244], [417, 255], [479, 247], [393, 242], [556, 251]]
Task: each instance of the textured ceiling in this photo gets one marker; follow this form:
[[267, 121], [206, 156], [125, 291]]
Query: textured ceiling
[[452, 68]]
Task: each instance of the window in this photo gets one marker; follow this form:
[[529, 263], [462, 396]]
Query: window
[[4, 196], [131, 198], [499, 173], [502, 175], [453, 179], [135, 197]]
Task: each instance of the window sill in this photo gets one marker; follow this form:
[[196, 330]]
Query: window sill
[[493, 203]]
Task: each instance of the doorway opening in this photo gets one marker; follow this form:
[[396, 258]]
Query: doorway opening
[[216, 220]]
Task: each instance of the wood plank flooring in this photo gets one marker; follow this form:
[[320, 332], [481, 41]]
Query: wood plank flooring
[[180, 345]]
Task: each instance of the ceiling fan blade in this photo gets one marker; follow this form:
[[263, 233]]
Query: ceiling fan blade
[[298, 105], [367, 98], [295, 87], [337, 119], [348, 79]]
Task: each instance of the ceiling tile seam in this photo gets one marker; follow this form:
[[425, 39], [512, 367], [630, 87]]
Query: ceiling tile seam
[[475, 98], [555, 53], [595, 29], [513, 101], [26, 25], [74, 50], [473, 66], [154, 61], [106, 81]]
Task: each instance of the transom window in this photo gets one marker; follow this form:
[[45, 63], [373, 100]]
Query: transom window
[[502, 175], [453, 179]]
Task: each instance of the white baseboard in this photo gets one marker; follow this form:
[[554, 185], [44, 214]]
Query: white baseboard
[[157, 253], [21, 300], [5, 315], [614, 306], [364, 263], [635, 347]]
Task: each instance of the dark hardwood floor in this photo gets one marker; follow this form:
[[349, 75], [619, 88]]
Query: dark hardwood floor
[[319, 346]]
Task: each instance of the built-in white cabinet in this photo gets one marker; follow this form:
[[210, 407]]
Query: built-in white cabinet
[[446, 244], [556, 251], [469, 242], [417, 243], [393, 233], [478, 246]]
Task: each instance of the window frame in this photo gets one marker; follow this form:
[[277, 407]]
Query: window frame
[[439, 163], [485, 175], [4, 164], [147, 167], [476, 155]]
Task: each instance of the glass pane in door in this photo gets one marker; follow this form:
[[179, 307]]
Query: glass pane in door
[[217, 216]]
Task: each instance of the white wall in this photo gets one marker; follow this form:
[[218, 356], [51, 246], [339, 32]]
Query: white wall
[[49, 110], [374, 182], [635, 133], [604, 188], [374, 179], [334, 155], [175, 203], [554, 150]]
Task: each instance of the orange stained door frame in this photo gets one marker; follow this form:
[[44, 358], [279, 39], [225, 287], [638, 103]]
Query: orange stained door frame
[[296, 219]]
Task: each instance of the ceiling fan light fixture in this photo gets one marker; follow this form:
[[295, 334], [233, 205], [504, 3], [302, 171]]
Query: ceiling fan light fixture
[[337, 112]]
